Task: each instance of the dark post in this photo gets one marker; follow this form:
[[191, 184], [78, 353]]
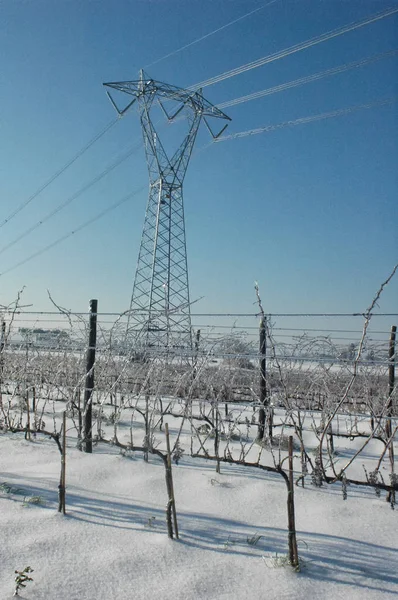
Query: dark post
[[391, 384], [197, 340], [2, 345], [62, 482], [263, 381], [330, 439], [34, 400], [170, 488], [78, 402], [217, 441], [293, 554], [195, 360], [27, 432], [147, 428], [92, 340], [36, 424], [391, 366], [3, 335]]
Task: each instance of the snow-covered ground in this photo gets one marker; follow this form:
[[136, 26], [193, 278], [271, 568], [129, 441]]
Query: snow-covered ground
[[113, 544]]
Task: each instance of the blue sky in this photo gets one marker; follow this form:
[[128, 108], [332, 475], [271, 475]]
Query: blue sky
[[310, 212]]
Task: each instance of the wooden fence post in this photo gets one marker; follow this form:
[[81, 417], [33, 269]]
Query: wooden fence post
[[147, 427], [293, 554], [2, 346], [217, 441], [62, 483], [263, 381], [170, 485], [195, 359], [89, 386], [391, 385], [78, 403]]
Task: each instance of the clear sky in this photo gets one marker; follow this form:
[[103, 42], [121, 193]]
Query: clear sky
[[309, 211]]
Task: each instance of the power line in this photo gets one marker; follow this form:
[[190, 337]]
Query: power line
[[83, 226], [60, 171], [252, 314], [310, 119], [293, 49], [221, 77], [207, 35], [295, 329], [68, 235], [254, 64], [114, 121], [123, 157], [109, 125], [308, 79], [250, 329], [76, 195], [302, 120]]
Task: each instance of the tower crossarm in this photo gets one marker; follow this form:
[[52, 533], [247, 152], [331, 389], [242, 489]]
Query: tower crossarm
[[150, 87]]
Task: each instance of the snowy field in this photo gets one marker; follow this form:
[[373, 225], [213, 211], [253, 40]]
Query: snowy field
[[112, 544]]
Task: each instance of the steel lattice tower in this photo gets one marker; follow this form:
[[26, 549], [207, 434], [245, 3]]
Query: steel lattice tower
[[159, 314]]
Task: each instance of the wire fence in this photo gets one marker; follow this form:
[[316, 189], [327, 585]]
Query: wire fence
[[305, 336], [248, 391], [308, 359]]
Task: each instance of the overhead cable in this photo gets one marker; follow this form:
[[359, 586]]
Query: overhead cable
[[251, 330], [268, 128], [59, 172], [308, 79], [310, 119], [207, 35], [68, 235], [211, 81], [114, 121], [293, 49], [252, 315], [76, 195], [84, 225]]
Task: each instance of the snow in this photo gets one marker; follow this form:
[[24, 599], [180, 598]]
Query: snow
[[112, 544]]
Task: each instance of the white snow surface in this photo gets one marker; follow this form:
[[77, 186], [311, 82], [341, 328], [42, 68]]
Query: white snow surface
[[112, 544]]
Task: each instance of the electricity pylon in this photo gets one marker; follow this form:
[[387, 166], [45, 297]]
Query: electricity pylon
[[160, 315]]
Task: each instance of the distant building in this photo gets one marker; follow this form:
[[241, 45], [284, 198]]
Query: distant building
[[44, 337]]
